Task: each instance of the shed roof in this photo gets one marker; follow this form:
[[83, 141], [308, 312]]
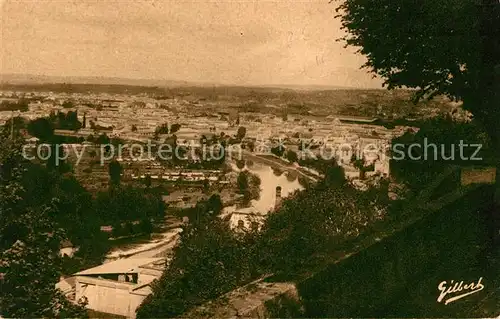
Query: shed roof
[[66, 244], [120, 266], [67, 284]]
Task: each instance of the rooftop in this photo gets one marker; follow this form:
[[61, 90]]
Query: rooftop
[[356, 119], [120, 266]]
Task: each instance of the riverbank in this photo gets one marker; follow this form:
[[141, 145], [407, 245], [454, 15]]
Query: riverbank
[[148, 249]]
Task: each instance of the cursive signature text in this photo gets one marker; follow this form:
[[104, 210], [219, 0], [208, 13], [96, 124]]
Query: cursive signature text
[[455, 287]]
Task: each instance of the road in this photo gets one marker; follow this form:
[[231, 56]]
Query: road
[[151, 249], [159, 251]]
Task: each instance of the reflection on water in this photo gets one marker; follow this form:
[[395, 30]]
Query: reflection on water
[[270, 179]]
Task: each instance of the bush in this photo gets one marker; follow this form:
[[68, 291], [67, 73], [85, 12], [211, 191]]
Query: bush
[[146, 226]]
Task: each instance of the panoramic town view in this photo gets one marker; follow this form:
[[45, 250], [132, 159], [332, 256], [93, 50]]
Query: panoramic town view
[[257, 159]]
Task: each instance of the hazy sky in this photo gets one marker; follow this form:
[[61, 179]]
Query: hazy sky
[[232, 42]]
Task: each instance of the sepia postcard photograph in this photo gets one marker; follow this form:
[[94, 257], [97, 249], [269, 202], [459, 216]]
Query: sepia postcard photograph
[[249, 159]]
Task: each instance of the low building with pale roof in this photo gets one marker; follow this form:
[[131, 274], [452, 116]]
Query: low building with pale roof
[[117, 287]]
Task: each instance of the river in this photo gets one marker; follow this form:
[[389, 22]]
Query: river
[[270, 179]]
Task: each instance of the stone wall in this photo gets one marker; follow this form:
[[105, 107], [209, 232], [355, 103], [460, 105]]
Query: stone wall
[[108, 296], [478, 175]]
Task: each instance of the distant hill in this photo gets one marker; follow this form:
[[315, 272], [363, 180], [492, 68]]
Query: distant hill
[[297, 87], [303, 100], [29, 79]]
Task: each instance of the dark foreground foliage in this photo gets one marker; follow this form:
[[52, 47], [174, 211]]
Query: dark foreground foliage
[[42, 206], [212, 259]]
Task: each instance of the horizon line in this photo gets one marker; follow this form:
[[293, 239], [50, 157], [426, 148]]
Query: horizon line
[[180, 82]]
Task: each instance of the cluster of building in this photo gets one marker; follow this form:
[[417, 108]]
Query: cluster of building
[[193, 176], [135, 118]]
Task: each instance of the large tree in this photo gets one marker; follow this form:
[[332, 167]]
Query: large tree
[[240, 134], [41, 128], [30, 237], [438, 47], [115, 170]]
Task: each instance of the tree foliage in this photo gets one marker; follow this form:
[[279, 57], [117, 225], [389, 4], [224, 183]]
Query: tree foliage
[[248, 185], [30, 237], [435, 46], [102, 139], [13, 126], [436, 146], [209, 261], [445, 47], [242, 181], [240, 164], [121, 204], [175, 128], [20, 105], [240, 134], [67, 104], [41, 128], [361, 165], [162, 129], [65, 121], [115, 170], [212, 259], [292, 156], [278, 150], [317, 221], [449, 47]]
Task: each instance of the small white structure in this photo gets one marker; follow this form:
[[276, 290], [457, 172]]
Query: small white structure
[[118, 287], [67, 286], [67, 249], [32, 140], [246, 218]]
